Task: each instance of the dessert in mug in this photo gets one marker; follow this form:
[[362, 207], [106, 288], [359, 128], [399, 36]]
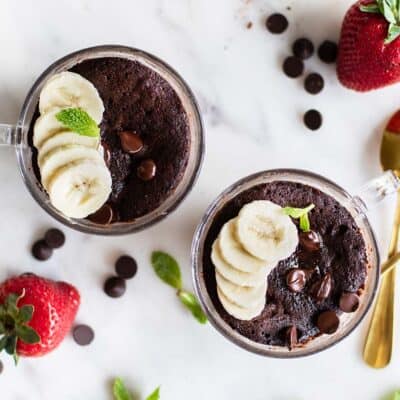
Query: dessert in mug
[[283, 261], [110, 140]]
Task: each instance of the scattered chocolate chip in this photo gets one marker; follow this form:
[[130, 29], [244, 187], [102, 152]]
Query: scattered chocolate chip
[[83, 335], [314, 83], [103, 216], [349, 302], [296, 280], [41, 250], [249, 25], [327, 51], [323, 288], [1, 367], [313, 119], [115, 286], [328, 322], [131, 142], [277, 23], [303, 48], [310, 240], [126, 267], [291, 337], [54, 238], [293, 67], [146, 170]]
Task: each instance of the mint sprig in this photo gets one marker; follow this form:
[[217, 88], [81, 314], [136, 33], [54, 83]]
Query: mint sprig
[[390, 9], [13, 325], [120, 392], [301, 214], [78, 121], [167, 269]]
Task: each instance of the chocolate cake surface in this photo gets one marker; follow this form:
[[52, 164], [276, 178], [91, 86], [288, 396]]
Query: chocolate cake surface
[[342, 256], [138, 100]]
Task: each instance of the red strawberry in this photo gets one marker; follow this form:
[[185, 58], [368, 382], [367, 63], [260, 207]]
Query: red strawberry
[[369, 47], [35, 314]]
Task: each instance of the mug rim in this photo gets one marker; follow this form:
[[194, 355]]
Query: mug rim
[[121, 228], [201, 289]]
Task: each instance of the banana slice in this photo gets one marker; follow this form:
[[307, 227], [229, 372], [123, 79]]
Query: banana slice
[[67, 138], [266, 232], [234, 275], [68, 89], [234, 253], [245, 314], [80, 188], [243, 296], [45, 127], [62, 156]]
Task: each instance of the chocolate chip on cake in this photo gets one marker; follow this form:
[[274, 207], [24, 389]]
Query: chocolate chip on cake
[[328, 322], [291, 337], [293, 67], [310, 241], [41, 250], [296, 280], [349, 302], [54, 238], [322, 289], [103, 216], [276, 23], [131, 142], [327, 51], [146, 170], [303, 48]]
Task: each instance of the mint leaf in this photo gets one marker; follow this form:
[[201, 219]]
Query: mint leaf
[[78, 121], [302, 214], [190, 302], [120, 391], [396, 395], [155, 395], [167, 269]]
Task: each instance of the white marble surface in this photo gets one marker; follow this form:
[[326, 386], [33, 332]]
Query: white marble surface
[[252, 115]]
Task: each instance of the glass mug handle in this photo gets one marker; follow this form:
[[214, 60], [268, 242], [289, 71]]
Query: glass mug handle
[[8, 135], [374, 191]]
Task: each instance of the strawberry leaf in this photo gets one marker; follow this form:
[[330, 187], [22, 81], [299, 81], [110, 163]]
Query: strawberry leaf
[[372, 8], [27, 334], [393, 33], [3, 342], [11, 345], [25, 313]]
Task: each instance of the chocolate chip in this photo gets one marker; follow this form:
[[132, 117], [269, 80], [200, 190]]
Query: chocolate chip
[[296, 280], [83, 335], [313, 119], [54, 238], [323, 288], [103, 216], [327, 51], [293, 67], [349, 302], [126, 267], [41, 250], [131, 142], [277, 23], [115, 286], [314, 83], [291, 337], [146, 170], [303, 48], [328, 322], [310, 241]]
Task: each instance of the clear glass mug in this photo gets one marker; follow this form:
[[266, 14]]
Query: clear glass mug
[[370, 194], [17, 136]]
